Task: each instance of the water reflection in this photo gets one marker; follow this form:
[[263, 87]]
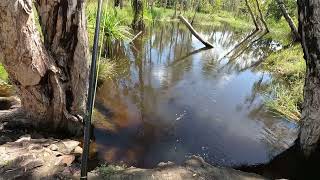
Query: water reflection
[[173, 98]]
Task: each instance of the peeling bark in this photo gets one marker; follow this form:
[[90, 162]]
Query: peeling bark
[[51, 76], [309, 29]]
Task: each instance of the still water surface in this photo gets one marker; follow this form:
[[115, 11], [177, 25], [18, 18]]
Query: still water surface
[[171, 99]]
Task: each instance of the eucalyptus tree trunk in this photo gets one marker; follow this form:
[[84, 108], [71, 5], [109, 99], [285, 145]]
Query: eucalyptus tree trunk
[[137, 23], [50, 75], [309, 29], [289, 20]]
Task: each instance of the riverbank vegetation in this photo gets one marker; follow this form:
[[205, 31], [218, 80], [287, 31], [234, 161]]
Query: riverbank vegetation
[[158, 87], [284, 93]]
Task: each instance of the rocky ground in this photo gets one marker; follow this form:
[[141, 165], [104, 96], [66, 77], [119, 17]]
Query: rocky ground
[[33, 156], [194, 168], [28, 154]]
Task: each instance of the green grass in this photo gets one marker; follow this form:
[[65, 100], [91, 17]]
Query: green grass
[[125, 16], [280, 31], [284, 92], [106, 69], [5, 88], [283, 95], [3, 74], [106, 170]]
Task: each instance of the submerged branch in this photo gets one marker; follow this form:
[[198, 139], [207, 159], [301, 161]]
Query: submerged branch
[[135, 37]]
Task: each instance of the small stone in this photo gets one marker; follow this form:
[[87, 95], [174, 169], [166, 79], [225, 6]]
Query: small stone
[[53, 147], [56, 153], [70, 145], [68, 159], [78, 150]]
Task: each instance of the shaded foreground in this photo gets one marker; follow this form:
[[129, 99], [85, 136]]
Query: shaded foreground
[[193, 168], [26, 154], [36, 157]]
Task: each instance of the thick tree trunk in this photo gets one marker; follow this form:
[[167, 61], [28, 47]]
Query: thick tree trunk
[[286, 15], [137, 23], [51, 76], [309, 28]]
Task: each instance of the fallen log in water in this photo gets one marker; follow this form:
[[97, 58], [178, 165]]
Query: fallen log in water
[[135, 37], [194, 32]]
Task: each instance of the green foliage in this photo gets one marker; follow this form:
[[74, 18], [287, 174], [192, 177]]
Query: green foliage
[[3, 74], [284, 93], [114, 27], [5, 88], [274, 11], [107, 170]]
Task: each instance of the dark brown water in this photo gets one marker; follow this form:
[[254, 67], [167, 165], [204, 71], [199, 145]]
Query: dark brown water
[[171, 99]]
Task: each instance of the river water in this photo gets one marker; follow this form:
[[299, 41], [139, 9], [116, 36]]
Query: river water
[[170, 99]]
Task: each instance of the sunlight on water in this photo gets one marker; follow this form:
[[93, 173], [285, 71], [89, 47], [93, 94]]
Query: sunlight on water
[[175, 99]]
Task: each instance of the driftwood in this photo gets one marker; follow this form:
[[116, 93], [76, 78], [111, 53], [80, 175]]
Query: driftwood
[[252, 15], [194, 32], [135, 37], [288, 18]]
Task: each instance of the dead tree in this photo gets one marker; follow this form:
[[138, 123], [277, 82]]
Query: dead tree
[[288, 19]]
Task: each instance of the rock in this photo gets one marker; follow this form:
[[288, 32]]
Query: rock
[[163, 164], [56, 153], [195, 168], [195, 161], [24, 138], [53, 147], [4, 139], [67, 146], [67, 159], [78, 150]]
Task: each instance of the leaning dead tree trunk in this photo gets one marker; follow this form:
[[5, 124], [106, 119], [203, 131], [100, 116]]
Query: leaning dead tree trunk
[[261, 17], [289, 20], [51, 76], [309, 28], [194, 32], [252, 16]]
